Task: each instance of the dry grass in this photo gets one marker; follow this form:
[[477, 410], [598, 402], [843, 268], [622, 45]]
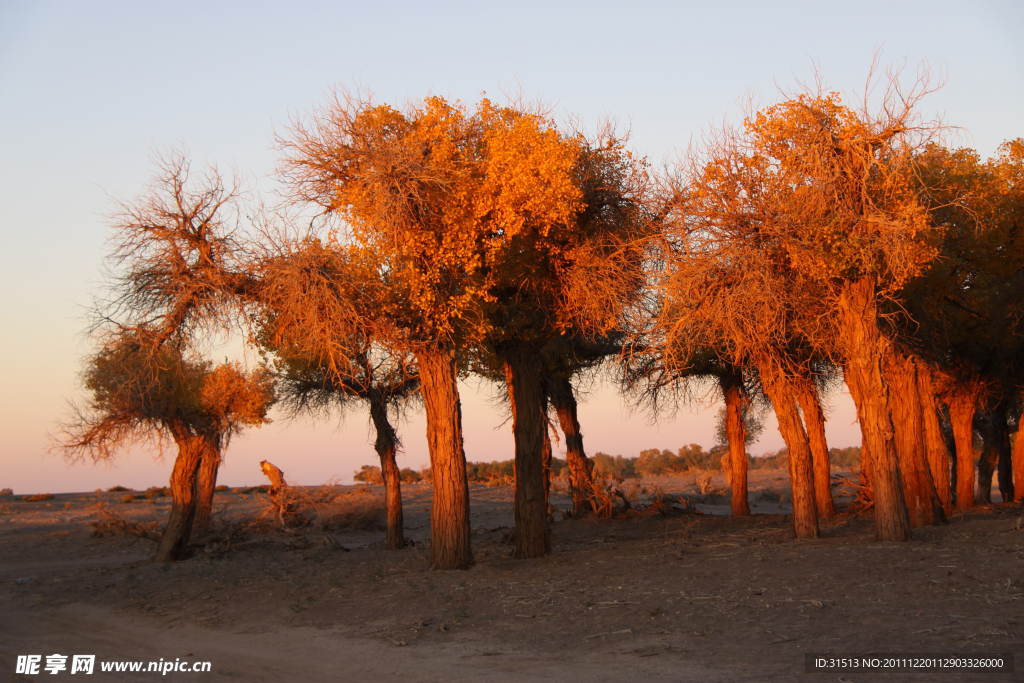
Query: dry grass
[[331, 508], [111, 523]]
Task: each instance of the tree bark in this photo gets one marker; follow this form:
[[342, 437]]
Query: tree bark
[[1018, 460], [546, 456], [962, 401], [859, 318], [386, 445], [814, 420], [736, 434], [581, 485], [522, 375], [935, 442], [923, 504], [174, 541], [449, 516], [996, 436], [209, 464], [801, 475]]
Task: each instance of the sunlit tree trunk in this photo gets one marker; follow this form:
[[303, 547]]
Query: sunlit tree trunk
[[522, 375], [174, 541], [736, 434], [935, 442], [546, 456], [814, 420], [449, 516], [801, 475], [962, 401], [923, 504], [563, 400], [209, 464], [1018, 460], [386, 445], [859, 317]]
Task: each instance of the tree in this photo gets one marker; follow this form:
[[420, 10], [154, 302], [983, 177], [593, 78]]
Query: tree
[[403, 185], [813, 207], [175, 255], [463, 216], [966, 306], [320, 374], [141, 394]]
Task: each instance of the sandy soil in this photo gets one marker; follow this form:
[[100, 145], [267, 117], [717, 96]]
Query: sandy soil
[[642, 596]]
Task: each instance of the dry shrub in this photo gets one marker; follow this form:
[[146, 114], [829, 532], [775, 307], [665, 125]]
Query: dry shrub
[[110, 523], [37, 497], [330, 508], [662, 502], [702, 480], [859, 485], [6, 492], [117, 489]]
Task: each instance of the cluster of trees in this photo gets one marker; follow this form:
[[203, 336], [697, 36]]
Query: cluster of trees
[[371, 474], [816, 244]]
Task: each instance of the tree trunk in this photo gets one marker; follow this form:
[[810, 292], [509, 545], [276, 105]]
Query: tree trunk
[[1005, 469], [522, 375], [736, 434], [581, 485], [859, 317], [386, 445], [923, 504], [865, 455], [546, 456], [174, 541], [801, 475], [935, 443], [449, 516], [1018, 460], [209, 464], [996, 435], [962, 401], [814, 420]]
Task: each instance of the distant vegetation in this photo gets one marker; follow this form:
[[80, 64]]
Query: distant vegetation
[[651, 462]]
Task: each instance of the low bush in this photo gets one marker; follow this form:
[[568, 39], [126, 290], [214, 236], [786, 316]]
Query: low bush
[[37, 497], [369, 474]]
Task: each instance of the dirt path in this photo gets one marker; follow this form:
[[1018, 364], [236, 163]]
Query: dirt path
[[681, 597]]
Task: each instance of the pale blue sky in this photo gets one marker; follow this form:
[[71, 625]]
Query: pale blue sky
[[89, 89]]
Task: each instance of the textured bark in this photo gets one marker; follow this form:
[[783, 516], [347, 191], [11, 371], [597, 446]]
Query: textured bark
[[935, 444], [780, 392], [546, 456], [1018, 461], [736, 433], [996, 435], [962, 400], [449, 516], [386, 445], [522, 375], [923, 504], [581, 485], [814, 421], [209, 464], [859, 318], [174, 541]]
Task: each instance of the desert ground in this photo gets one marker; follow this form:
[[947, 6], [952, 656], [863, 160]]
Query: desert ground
[[685, 593]]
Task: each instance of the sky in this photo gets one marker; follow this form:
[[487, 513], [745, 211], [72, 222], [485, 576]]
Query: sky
[[89, 91]]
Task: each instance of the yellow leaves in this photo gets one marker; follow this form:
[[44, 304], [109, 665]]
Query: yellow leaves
[[232, 397]]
